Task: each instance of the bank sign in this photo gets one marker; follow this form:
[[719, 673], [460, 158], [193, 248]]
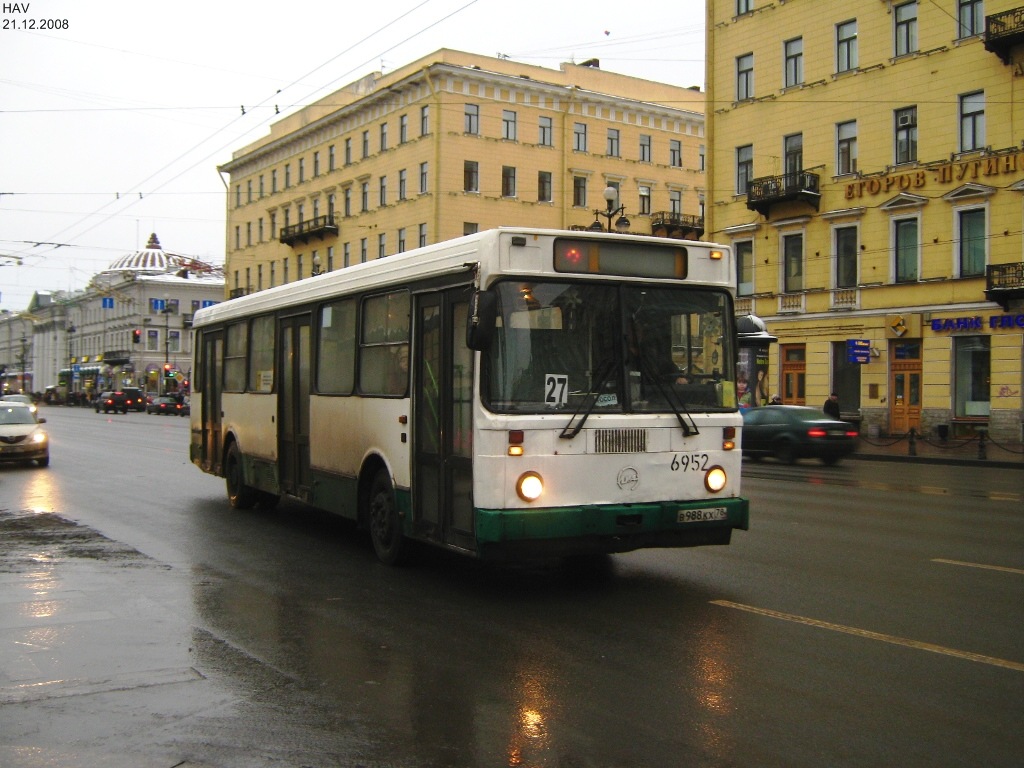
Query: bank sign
[[978, 323]]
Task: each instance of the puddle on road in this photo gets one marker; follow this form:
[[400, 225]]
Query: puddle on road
[[36, 537]]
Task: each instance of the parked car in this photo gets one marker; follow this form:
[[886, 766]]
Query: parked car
[[137, 399], [163, 405], [15, 398], [112, 401], [792, 432], [22, 438]]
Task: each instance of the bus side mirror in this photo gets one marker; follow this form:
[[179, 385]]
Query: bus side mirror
[[483, 313]]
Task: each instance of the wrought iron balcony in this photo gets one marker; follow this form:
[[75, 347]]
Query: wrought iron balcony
[[679, 225], [1004, 31], [802, 186], [319, 227], [237, 293], [1004, 283]]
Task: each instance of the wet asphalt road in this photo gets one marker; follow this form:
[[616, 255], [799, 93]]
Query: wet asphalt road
[[872, 616]]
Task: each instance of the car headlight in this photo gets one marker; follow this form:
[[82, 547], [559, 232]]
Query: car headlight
[[38, 437], [529, 486], [715, 479]]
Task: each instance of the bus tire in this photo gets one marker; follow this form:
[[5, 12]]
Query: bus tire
[[384, 520], [240, 495]]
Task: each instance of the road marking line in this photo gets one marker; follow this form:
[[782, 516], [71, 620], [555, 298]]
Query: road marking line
[[964, 563], [892, 639]]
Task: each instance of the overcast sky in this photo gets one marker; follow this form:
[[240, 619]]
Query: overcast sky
[[113, 123]]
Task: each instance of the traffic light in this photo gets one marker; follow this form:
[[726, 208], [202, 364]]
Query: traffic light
[[136, 336], [167, 370]]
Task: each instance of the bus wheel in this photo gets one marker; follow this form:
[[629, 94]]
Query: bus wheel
[[240, 495], [385, 525]]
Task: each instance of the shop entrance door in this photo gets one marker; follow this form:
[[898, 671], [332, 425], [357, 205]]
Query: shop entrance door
[[904, 386]]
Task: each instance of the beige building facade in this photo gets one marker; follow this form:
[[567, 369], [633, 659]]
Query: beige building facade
[[455, 143], [866, 162]]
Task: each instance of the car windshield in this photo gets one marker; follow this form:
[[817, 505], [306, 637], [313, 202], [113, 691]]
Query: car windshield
[[16, 415], [610, 347]]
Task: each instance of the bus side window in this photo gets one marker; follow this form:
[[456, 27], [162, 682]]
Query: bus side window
[[337, 347]]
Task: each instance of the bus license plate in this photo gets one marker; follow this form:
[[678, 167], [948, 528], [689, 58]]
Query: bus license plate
[[702, 515]]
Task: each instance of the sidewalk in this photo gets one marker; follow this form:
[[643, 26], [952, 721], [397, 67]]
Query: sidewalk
[[927, 450]]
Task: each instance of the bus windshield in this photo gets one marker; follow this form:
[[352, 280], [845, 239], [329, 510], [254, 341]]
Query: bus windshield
[[612, 348]]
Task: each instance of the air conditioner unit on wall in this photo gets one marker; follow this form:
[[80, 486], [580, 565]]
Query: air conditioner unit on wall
[[904, 120]]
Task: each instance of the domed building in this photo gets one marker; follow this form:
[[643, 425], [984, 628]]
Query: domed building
[[129, 328]]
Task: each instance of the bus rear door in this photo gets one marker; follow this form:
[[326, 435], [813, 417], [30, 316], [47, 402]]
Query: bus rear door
[[293, 407]]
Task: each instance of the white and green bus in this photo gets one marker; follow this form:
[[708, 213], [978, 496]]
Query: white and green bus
[[508, 394]]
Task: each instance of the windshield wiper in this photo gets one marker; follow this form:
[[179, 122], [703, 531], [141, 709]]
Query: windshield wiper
[[688, 424], [589, 401]]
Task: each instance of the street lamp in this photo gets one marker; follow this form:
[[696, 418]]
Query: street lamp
[[167, 346], [316, 265], [611, 196]]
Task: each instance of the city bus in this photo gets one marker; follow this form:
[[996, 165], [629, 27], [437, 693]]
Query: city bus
[[511, 394]]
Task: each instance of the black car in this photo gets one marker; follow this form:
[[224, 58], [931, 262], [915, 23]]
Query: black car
[[792, 432], [164, 405], [116, 401], [136, 398]]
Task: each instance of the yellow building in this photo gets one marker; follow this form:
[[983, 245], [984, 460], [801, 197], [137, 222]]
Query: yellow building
[[866, 162], [455, 143]]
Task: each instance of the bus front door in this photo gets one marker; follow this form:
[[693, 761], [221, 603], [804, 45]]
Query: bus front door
[[293, 407], [442, 420]]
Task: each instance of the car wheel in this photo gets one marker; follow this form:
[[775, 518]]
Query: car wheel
[[43, 462], [385, 522], [830, 461], [240, 495], [786, 452]]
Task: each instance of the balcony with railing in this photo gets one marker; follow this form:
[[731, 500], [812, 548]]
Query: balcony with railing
[[1003, 32], [319, 227], [678, 225], [801, 186], [1004, 283]]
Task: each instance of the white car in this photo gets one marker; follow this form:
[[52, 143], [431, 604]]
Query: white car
[[22, 437], [19, 399]]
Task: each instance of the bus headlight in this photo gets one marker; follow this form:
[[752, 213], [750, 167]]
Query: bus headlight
[[715, 479], [529, 486]]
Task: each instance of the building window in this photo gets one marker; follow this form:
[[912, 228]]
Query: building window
[[744, 168], [906, 135], [261, 186], [846, 46], [470, 176], [366, 144], [273, 226], [906, 250], [579, 137], [402, 193], [744, 267], [259, 228], [346, 196], [546, 132], [645, 148], [383, 199], [248, 191], [745, 77], [383, 136], [382, 240], [470, 227], [508, 125], [970, 18], [364, 250], [346, 254], [744, 6], [273, 181], [471, 122], [793, 52], [316, 207], [316, 164], [508, 181], [675, 202], [403, 129], [302, 169], [544, 191], [423, 178], [401, 240], [675, 153], [612, 149], [348, 151], [846, 257], [364, 196], [645, 200], [424, 120], [793, 154], [579, 191], [700, 158], [331, 158], [793, 262], [972, 121], [846, 147], [422, 235], [971, 241], [905, 22], [972, 361], [287, 175]]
